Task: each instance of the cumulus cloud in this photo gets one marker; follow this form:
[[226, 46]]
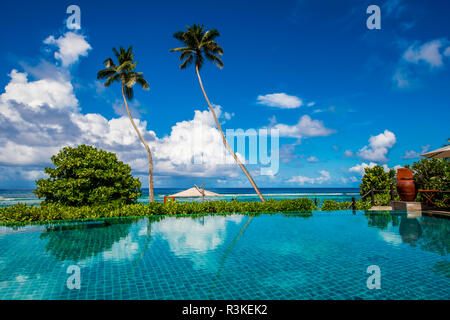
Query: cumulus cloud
[[324, 176], [378, 147], [71, 46], [412, 154], [304, 128], [348, 153], [40, 116], [429, 55], [56, 94], [280, 100], [312, 159], [360, 168], [196, 147]]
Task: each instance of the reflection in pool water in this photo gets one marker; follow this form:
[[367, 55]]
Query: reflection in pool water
[[230, 257]]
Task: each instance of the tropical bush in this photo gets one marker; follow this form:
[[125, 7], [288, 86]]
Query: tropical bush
[[87, 176], [432, 174], [22, 213], [330, 205], [377, 179]]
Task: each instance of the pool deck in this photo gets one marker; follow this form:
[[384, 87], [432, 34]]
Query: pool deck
[[439, 212]]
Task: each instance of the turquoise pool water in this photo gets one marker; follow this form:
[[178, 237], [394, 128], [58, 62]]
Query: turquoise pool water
[[324, 256]]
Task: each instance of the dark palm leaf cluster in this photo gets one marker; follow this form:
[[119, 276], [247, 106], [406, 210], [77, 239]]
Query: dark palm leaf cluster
[[198, 45], [124, 71]]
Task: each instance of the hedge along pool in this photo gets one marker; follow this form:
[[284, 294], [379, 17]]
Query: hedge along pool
[[325, 256]]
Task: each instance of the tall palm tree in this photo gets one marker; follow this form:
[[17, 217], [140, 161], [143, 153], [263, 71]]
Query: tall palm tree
[[198, 45], [125, 73]]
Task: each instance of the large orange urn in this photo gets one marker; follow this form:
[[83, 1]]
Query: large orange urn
[[405, 185]]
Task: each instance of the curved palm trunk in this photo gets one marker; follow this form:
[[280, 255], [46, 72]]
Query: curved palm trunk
[[225, 142], [149, 153]]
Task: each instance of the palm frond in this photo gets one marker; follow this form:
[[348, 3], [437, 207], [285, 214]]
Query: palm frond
[[124, 72], [198, 44], [179, 35], [181, 49], [129, 93], [184, 54], [214, 59], [210, 35], [112, 79], [116, 53], [143, 83], [187, 62], [105, 73]]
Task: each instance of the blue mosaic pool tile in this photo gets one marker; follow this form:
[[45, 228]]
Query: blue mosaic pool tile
[[222, 257]]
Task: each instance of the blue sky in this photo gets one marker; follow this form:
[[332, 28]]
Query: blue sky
[[342, 96]]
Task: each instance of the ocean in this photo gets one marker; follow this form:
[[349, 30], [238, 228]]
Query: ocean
[[9, 197]]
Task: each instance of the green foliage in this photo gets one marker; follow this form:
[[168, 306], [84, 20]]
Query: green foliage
[[87, 176], [330, 205], [22, 213], [198, 44], [377, 178], [379, 220], [83, 243], [363, 205], [124, 72], [432, 174]]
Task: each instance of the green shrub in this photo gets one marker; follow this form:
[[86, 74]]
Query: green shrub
[[331, 205], [363, 205], [87, 176], [377, 178], [432, 174], [22, 213]]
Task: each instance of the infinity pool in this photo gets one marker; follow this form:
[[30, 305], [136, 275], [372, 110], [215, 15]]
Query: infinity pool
[[324, 256]]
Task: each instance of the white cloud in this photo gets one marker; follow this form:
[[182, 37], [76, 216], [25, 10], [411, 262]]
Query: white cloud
[[324, 176], [301, 180], [360, 168], [71, 46], [56, 94], [305, 127], [287, 153], [402, 77], [39, 117], [412, 154], [447, 52], [378, 147], [310, 104], [280, 100], [431, 54], [428, 53], [348, 153], [195, 147], [312, 159]]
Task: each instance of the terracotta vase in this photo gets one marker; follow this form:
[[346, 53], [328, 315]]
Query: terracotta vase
[[406, 188]]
